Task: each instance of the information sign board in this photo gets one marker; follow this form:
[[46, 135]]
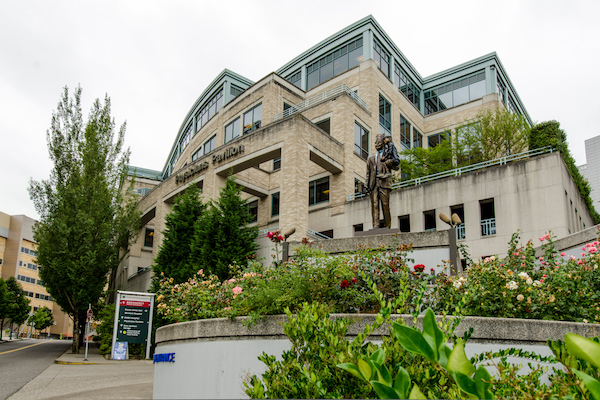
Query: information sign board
[[133, 320]]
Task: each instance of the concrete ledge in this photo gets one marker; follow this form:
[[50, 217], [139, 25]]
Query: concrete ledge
[[485, 330]]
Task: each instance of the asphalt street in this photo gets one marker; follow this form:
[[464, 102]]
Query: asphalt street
[[23, 360]]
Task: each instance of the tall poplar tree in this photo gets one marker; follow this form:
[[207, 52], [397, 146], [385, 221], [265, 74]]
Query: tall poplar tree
[[87, 216]]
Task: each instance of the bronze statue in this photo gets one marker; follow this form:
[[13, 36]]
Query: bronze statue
[[379, 179]]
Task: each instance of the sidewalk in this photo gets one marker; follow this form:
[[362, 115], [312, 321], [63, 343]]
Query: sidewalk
[[93, 357]]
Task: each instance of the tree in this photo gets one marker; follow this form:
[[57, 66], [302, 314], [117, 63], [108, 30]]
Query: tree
[[3, 304], [174, 256], [17, 303], [86, 215], [418, 162], [41, 319], [222, 235], [550, 134], [493, 134]]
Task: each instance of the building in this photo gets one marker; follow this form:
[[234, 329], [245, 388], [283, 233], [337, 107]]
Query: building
[[298, 139], [18, 259], [591, 169]]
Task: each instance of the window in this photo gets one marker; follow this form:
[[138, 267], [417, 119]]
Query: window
[[197, 154], [149, 237], [252, 119], [488, 217], [460, 229], [235, 91], [404, 133], [385, 116], [296, 80], [501, 90], [210, 144], [437, 138], [359, 187], [209, 109], [361, 141], [358, 228], [404, 223], [325, 125], [318, 191], [455, 93], [417, 139], [232, 130], [407, 86], [328, 234], [277, 164], [0, 261], [429, 220], [381, 57], [339, 60], [286, 106], [252, 208], [29, 251], [275, 204]]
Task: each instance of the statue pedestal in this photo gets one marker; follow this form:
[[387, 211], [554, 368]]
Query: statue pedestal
[[377, 231]]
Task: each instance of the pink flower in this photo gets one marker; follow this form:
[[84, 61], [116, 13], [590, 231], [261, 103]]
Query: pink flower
[[563, 254], [516, 253], [583, 254], [354, 279], [542, 280], [542, 258], [579, 262], [593, 250], [236, 290], [544, 276]]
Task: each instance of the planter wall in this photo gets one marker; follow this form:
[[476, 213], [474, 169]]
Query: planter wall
[[211, 358]]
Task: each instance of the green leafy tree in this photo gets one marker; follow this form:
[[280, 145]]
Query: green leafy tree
[[3, 304], [222, 235], [174, 255], [86, 214], [418, 162], [17, 303], [41, 319], [493, 134], [550, 134]]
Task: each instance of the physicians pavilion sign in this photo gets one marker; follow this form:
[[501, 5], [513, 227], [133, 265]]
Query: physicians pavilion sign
[[216, 159]]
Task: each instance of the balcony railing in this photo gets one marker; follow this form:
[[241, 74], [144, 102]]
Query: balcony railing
[[488, 226], [462, 170], [320, 98], [460, 231], [316, 235]]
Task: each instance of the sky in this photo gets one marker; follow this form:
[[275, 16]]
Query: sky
[[154, 59]]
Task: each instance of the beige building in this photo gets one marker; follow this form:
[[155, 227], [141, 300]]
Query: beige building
[[18, 259], [298, 139]]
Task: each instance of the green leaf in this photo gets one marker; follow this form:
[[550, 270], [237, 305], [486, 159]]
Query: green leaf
[[583, 348], [412, 340], [365, 369], [444, 355], [482, 387], [432, 333], [590, 383], [382, 372], [385, 392], [402, 382], [353, 369], [416, 393], [458, 360], [378, 357], [465, 383]]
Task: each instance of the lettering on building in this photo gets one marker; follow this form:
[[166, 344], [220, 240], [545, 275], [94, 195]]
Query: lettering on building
[[193, 170], [165, 357], [228, 153]]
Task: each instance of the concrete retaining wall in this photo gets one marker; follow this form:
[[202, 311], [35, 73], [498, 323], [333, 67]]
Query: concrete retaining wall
[[212, 357]]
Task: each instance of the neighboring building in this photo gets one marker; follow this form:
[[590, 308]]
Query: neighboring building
[[298, 139], [18, 258], [591, 170]]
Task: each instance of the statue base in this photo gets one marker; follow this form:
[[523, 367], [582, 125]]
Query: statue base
[[377, 231]]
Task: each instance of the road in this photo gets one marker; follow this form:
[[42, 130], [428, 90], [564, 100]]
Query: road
[[23, 360]]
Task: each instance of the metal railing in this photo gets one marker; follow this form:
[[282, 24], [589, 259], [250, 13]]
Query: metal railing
[[263, 232], [461, 170], [488, 226], [316, 235], [460, 231], [320, 98]]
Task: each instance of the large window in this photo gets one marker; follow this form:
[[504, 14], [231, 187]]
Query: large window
[[275, 204], [295, 79], [339, 60], [252, 119], [210, 108], [455, 93], [429, 220], [252, 209], [232, 130], [318, 191], [437, 138], [385, 116], [404, 133], [488, 217], [235, 91], [210, 144], [407, 86], [361, 141], [417, 138], [404, 222], [149, 237], [381, 57]]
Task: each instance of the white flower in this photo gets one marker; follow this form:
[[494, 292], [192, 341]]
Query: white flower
[[529, 281], [523, 275], [520, 297], [457, 284], [512, 285], [537, 283]]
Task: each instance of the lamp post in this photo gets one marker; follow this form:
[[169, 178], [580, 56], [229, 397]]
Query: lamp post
[[454, 256]]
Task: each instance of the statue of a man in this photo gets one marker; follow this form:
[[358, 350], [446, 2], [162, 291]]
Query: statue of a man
[[379, 183]]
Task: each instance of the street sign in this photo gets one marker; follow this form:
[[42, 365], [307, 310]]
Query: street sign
[[90, 314], [133, 318]]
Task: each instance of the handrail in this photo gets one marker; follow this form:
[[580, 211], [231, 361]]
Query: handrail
[[326, 95], [317, 235], [461, 170]]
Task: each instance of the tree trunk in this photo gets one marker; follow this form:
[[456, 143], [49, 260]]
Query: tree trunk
[[75, 346]]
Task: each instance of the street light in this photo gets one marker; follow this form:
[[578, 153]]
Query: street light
[[286, 246], [454, 257]]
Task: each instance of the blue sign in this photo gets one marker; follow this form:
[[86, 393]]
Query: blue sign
[[120, 351], [165, 357]]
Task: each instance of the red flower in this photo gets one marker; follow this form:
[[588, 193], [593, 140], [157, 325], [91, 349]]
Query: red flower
[[354, 280], [419, 268], [344, 284]]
